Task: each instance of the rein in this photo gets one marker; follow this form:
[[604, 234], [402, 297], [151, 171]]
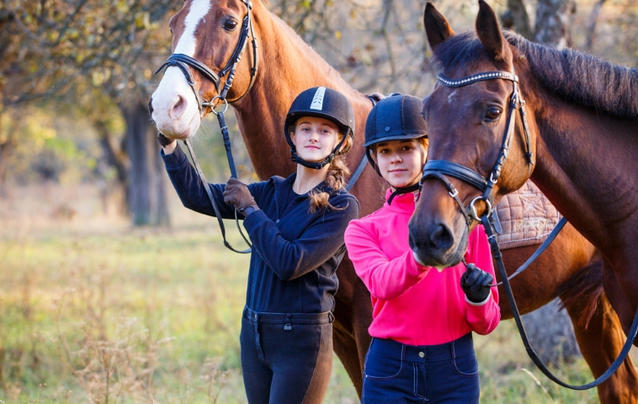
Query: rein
[[439, 169], [185, 63]]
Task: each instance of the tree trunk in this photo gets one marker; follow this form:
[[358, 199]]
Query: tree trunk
[[552, 20], [7, 145], [591, 26], [113, 156], [517, 19], [146, 189], [5, 149]]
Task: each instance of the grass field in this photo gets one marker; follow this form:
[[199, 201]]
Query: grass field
[[92, 310]]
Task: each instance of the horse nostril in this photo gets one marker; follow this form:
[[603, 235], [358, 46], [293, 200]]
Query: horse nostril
[[437, 241], [178, 107], [440, 239]]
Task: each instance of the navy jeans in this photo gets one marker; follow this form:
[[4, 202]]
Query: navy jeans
[[398, 373], [286, 358]]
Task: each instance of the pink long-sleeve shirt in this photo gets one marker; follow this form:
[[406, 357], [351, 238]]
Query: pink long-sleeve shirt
[[413, 304]]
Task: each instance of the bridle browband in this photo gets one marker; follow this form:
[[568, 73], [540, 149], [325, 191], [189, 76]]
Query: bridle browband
[[439, 169], [185, 63]]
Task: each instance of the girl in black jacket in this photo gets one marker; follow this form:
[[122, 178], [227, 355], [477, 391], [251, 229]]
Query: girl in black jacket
[[296, 227]]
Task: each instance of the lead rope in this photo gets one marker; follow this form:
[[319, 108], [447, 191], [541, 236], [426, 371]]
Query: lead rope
[[496, 252], [214, 204], [232, 65]]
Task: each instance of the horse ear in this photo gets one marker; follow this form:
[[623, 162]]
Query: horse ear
[[436, 26], [489, 32]]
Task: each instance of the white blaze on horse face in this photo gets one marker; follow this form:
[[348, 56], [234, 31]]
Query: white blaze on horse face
[[175, 109], [187, 42]]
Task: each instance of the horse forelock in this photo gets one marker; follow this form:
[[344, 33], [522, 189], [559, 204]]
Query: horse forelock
[[459, 50]]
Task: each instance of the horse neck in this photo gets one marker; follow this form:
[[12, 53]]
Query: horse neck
[[287, 66], [585, 166]]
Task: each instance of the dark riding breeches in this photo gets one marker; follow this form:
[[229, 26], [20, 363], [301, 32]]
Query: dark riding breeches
[[400, 374], [286, 358]]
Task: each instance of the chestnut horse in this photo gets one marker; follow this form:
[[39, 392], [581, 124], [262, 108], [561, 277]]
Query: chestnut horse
[[575, 135], [283, 67]]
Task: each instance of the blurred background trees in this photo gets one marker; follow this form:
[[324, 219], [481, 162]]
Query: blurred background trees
[[75, 75], [90, 62]]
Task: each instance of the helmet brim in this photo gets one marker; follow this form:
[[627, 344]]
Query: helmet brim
[[390, 137]]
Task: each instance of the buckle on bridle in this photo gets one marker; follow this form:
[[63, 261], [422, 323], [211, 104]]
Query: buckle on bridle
[[473, 215], [213, 107]]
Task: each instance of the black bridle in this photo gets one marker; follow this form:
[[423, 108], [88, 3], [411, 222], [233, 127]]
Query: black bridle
[[185, 63], [439, 169]]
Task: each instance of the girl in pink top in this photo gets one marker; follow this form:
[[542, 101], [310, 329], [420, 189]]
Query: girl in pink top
[[423, 318]]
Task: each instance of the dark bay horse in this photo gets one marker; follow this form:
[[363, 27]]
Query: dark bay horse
[[285, 65], [577, 140]]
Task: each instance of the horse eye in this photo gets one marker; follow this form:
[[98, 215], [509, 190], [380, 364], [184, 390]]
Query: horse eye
[[492, 113], [230, 24]]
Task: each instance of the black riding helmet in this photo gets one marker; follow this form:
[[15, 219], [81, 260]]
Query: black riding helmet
[[325, 103], [397, 117]]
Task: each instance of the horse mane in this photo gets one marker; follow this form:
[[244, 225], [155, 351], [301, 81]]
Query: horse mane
[[572, 75], [326, 68]]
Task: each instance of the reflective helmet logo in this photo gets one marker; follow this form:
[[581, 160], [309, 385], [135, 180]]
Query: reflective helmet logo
[[317, 99]]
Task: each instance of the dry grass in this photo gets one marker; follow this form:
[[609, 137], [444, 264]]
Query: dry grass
[[92, 310]]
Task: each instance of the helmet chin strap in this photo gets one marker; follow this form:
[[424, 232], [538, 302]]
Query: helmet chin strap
[[403, 190], [410, 188], [310, 164]]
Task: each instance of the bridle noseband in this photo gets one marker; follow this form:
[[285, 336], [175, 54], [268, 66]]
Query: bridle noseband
[[439, 169], [185, 63]]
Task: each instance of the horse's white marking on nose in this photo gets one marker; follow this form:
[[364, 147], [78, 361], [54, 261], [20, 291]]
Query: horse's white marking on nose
[[187, 42], [174, 105], [451, 97]]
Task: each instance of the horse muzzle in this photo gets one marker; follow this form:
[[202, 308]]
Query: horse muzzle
[[435, 244]]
